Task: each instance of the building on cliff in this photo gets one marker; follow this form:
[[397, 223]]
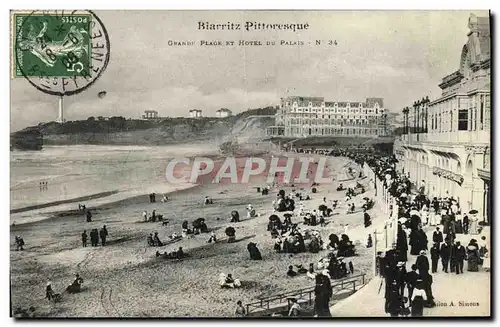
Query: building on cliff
[[312, 116], [195, 113]]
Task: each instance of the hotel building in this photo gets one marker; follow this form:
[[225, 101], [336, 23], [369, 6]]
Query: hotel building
[[312, 116], [447, 140]]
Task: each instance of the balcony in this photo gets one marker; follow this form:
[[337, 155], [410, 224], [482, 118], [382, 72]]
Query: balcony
[[449, 137]]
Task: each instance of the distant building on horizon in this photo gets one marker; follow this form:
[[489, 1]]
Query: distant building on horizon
[[150, 114], [223, 113], [195, 113], [311, 116]]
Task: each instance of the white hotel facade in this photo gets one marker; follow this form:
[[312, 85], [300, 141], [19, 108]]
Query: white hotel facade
[[449, 147], [312, 116]]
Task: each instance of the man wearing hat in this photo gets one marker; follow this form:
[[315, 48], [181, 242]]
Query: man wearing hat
[[437, 236], [422, 263], [400, 277], [460, 257], [435, 254]]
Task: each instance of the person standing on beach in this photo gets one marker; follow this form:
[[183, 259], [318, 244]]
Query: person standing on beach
[[89, 216], [84, 239], [102, 234], [145, 215]]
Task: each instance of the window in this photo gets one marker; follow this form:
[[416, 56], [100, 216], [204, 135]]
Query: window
[[481, 113], [463, 119]]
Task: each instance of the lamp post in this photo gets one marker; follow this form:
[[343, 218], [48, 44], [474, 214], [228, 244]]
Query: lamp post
[[414, 116], [422, 114], [418, 116], [405, 117], [426, 113]]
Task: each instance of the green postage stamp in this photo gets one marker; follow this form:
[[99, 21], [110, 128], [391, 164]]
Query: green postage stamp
[[52, 44]]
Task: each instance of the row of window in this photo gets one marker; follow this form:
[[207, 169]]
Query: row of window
[[319, 110], [476, 118], [335, 105], [297, 131], [332, 122], [306, 116]]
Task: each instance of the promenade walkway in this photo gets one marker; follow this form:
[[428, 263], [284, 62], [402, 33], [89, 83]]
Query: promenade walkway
[[464, 295]]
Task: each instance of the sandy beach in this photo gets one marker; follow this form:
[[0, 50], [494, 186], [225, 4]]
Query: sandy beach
[[125, 279]]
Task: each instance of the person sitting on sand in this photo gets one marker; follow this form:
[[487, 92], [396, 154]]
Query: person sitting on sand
[[145, 215], [291, 272], [164, 199], [294, 309], [277, 245], [251, 211], [228, 281], [213, 238], [208, 200], [180, 253], [156, 240], [240, 310], [49, 293], [19, 243], [75, 287], [150, 240]]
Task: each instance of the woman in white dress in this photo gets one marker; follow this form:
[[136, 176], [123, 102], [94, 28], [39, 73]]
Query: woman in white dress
[[423, 215], [432, 217], [473, 225]]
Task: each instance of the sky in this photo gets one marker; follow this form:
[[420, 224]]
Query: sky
[[400, 56]]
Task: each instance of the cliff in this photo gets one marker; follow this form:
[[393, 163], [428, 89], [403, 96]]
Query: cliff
[[121, 131], [28, 139]]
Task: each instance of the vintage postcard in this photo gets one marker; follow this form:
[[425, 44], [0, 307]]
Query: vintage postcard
[[242, 164]]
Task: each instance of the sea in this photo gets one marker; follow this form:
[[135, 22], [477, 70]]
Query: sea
[[111, 173]]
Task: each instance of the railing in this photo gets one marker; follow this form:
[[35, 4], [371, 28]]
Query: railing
[[306, 294], [449, 137]]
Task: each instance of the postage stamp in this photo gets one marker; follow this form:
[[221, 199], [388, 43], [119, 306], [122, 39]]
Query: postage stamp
[[52, 44], [58, 52]]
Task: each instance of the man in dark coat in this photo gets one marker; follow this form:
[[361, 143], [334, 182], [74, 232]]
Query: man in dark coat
[[427, 279], [367, 219], [445, 253], [422, 263], [437, 236], [401, 245], [465, 224], [435, 256], [400, 277], [84, 239], [411, 280], [460, 257], [94, 237], [102, 235], [323, 293]]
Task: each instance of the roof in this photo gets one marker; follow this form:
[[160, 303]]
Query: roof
[[193, 110], [370, 102], [223, 109]]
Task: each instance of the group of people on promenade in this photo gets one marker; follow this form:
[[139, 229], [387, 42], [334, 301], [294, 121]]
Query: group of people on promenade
[[416, 210]]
